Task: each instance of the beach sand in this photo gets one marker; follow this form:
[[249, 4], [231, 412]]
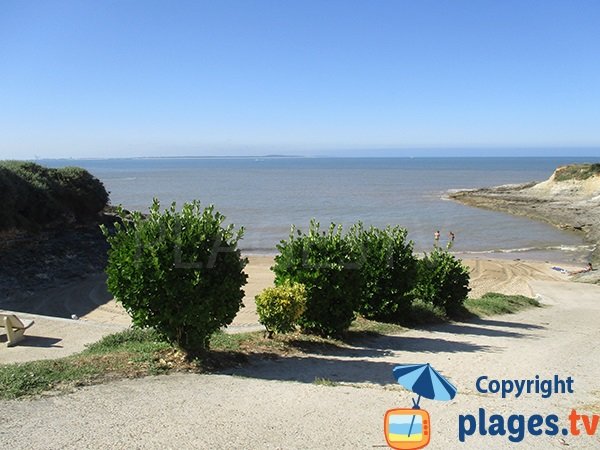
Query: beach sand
[[487, 275], [56, 334], [89, 300]]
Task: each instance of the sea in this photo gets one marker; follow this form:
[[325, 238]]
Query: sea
[[267, 195]]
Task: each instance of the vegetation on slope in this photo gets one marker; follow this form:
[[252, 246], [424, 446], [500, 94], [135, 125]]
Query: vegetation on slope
[[33, 196], [577, 172]]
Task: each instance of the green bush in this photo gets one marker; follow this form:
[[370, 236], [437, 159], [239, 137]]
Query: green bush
[[389, 271], [443, 281], [80, 191], [280, 307], [33, 196], [180, 273], [324, 263]]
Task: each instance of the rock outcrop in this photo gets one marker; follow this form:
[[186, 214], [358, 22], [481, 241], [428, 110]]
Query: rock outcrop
[[569, 199]]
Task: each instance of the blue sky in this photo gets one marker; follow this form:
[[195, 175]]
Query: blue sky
[[134, 78]]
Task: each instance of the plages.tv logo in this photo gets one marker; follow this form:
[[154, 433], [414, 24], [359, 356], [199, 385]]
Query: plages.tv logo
[[410, 428]]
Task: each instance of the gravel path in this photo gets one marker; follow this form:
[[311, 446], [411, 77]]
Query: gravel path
[[275, 404]]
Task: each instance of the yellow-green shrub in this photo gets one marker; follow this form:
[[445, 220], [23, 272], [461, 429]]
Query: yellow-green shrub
[[280, 307]]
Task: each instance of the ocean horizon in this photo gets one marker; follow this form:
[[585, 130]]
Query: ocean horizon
[[269, 194]]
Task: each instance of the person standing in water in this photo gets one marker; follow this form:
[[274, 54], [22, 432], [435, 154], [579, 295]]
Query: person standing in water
[[450, 243]]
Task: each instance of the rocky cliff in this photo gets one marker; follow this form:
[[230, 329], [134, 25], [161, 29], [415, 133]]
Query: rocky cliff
[[569, 199]]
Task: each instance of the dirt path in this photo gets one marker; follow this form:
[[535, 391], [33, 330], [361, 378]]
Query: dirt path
[[277, 404]]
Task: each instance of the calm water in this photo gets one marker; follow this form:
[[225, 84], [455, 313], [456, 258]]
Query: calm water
[[267, 195]]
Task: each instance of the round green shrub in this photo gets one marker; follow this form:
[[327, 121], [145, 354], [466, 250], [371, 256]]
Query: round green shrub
[[322, 261], [280, 307], [443, 281], [389, 271], [178, 272]]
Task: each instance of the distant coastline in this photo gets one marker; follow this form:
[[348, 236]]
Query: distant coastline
[[170, 157], [332, 155]]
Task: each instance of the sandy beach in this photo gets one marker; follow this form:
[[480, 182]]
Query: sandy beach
[[89, 300]]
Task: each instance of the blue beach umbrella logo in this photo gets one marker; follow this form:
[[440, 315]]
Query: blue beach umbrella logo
[[425, 381], [409, 428]]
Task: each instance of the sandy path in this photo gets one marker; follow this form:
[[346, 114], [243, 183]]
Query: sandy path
[[256, 407]]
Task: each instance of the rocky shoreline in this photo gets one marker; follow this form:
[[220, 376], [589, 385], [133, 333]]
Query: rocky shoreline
[[572, 204]]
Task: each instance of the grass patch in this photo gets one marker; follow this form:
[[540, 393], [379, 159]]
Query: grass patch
[[325, 382], [424, 313], [297, 342], [131, 353], [493, 303], [140, 352], [135, 340], [577, 172], [362, 326]]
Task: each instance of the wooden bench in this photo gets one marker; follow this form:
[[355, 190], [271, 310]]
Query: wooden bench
[[15, 327]]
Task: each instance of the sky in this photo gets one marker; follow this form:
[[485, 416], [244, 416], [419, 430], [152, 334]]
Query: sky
[[357, 78]]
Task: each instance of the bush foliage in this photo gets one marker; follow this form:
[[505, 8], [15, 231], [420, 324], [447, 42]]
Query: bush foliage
[[388, 268], [178, 272], [280, 307], [324, 262], [369, 271], [33, 196], [443, 281]]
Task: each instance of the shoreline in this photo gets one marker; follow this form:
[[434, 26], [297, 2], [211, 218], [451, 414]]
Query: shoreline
[[532, 255], [64, 276], [572, 205], [59, 272]]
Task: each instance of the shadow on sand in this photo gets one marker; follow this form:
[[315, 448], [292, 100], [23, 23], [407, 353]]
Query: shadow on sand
[[35, 341], [79, 297], [339, 363], [368, 359], [504, 323], [486, 327]]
